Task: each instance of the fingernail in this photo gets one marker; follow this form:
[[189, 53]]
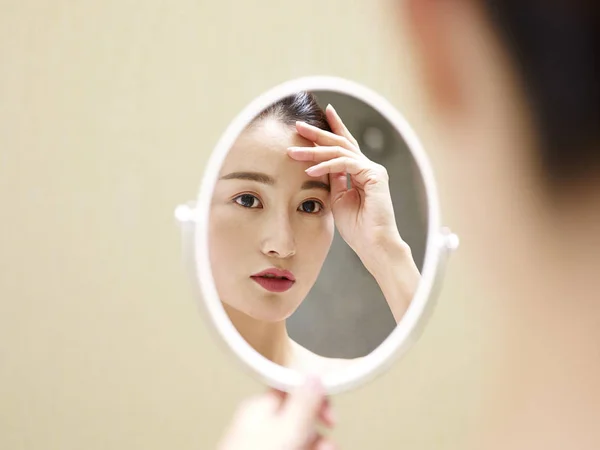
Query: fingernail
[[311, 170], [330, 106], [301, 123]]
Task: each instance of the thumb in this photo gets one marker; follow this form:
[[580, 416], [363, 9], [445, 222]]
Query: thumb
[[303, 405], [339, 185]]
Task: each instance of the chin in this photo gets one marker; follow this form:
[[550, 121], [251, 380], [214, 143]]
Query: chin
[[261, 305], [270, 313], [265, 310]]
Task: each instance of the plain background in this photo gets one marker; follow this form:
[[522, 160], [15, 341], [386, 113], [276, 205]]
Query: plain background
[[108, 112]]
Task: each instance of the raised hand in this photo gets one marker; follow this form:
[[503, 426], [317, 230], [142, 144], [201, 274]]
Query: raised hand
[[363, 214]]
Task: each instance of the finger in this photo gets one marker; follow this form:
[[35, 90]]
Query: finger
[[326, 415], [338, 185], [360, 172], [319, 154], [321, 442], [280, 395], [324, 444], [255, 409], [322, 137], [337, 125], [352, 166], [268, 402], [303, 405]]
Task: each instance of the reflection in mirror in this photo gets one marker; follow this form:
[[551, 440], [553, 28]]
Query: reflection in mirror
[[317, 231]]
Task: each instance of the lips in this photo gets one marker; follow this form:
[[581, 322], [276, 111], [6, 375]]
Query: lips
[[274, 280]]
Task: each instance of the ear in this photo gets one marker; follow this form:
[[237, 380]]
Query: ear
[[442, 32]]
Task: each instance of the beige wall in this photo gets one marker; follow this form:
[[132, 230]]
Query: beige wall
[[108, 111]]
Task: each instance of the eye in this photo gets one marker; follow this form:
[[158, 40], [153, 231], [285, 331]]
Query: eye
[[311, 207], [248, 201]]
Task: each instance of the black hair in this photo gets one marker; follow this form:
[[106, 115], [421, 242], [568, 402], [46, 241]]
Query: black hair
[[301, 106], [555, 46]]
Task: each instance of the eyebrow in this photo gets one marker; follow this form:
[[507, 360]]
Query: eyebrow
[[251, 176], [315, 184], [267, 179]]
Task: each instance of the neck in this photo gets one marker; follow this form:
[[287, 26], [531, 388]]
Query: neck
[[270, 339], [544, 388]]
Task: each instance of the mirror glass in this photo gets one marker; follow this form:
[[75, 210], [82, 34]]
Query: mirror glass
[[315, 269]]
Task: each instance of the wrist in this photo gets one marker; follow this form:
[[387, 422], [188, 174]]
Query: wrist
[[391, 263], [385, 249]]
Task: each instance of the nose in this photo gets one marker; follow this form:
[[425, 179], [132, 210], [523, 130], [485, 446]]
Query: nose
[[278, 236]]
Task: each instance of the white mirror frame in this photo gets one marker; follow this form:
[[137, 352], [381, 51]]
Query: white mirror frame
[[194, 218]]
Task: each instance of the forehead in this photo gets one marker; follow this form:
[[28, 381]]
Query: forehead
[[263, 148]]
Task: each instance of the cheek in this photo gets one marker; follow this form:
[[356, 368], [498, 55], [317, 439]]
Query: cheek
[[316, 237], [229, 239], [328, 230]]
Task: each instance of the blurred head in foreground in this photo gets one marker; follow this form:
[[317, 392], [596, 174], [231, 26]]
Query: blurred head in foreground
[[513, 92]]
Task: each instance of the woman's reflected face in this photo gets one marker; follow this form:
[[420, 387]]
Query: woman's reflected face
[[271, 224]]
